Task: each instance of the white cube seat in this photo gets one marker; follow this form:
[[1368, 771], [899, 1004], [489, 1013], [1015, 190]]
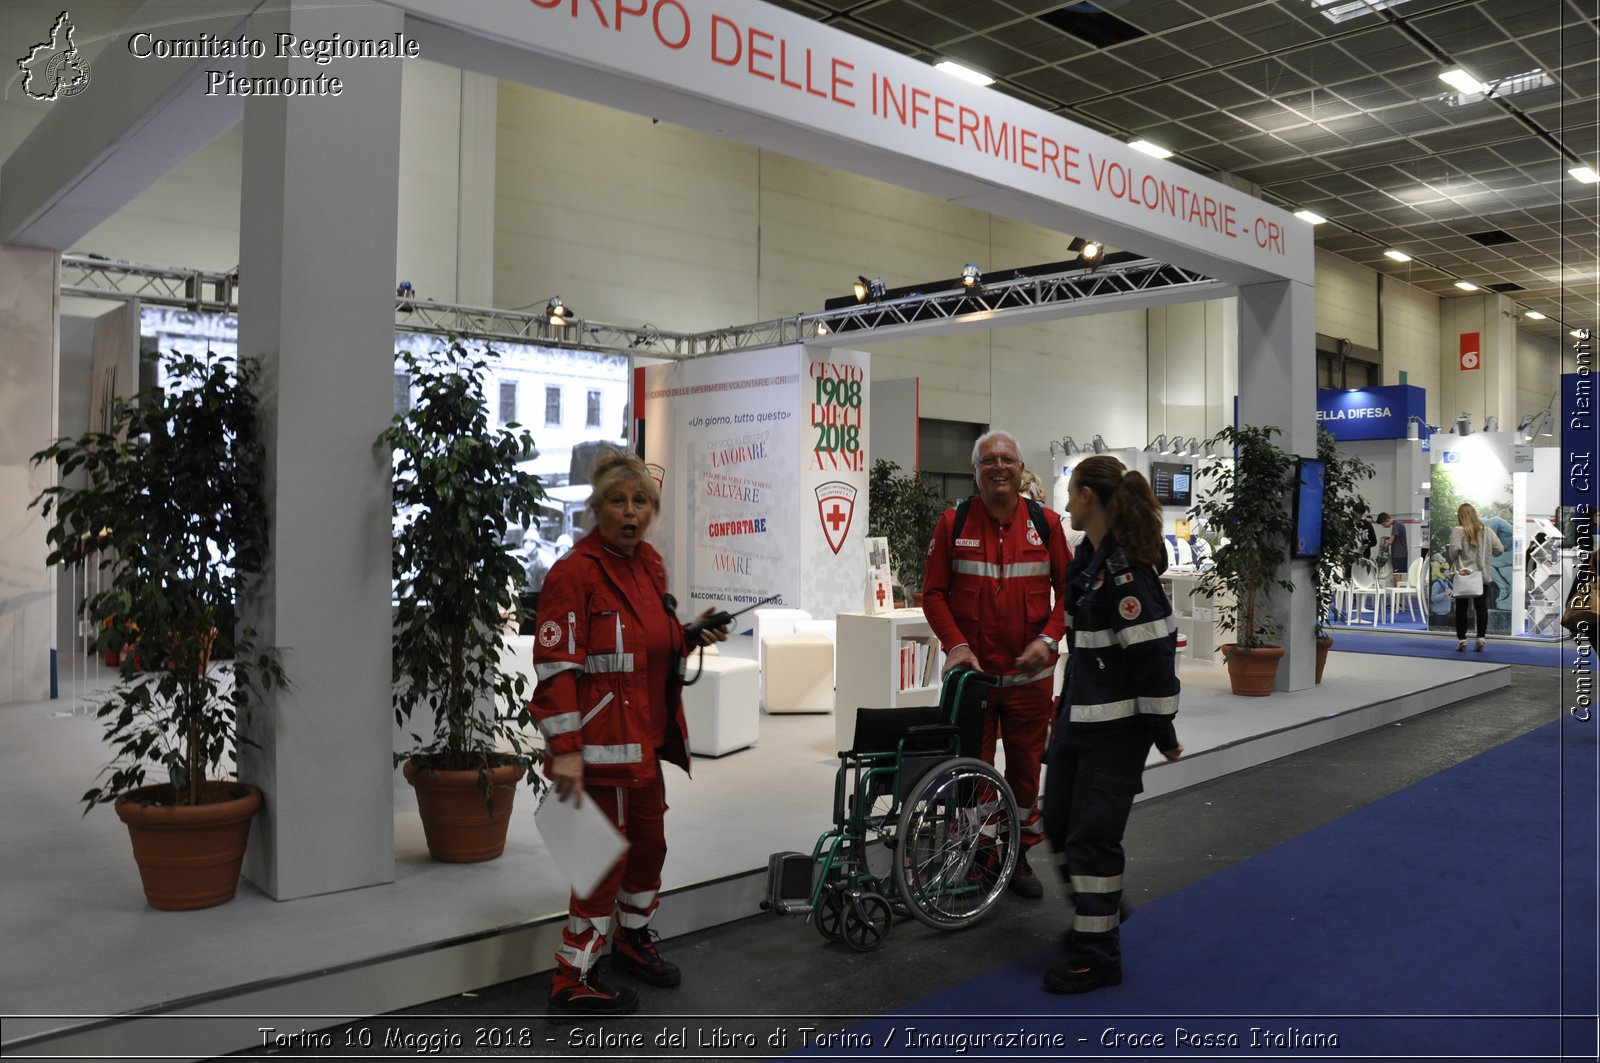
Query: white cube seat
[[769, 621], [798, 676], [721, 708]]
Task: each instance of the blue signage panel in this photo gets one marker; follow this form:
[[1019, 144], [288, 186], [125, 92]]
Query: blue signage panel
[[1580, 478], [1370, 413]]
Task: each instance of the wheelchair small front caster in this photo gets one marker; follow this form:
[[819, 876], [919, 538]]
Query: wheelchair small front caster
[[830, 913], [867, 921]]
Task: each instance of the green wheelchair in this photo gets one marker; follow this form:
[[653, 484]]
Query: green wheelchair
[[911, 786]]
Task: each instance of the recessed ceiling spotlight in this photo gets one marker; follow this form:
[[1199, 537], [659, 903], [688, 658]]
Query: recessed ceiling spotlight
[[1398, 256], [1462, 81], [1534, 315], [1311, 216], [965, 73], [1149, 148], [1577, 334], [1466, 286], [1585, 174]]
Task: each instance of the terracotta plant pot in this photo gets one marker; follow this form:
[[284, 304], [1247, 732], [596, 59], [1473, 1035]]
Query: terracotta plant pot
[[1252, 672], [456, 819], [189, 855], [1324, 644]]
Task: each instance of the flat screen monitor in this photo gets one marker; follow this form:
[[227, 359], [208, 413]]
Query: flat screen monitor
[[1172, 482], [1308, 507]]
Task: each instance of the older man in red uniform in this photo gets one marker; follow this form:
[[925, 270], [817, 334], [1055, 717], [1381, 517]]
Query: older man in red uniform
[[988, 595]]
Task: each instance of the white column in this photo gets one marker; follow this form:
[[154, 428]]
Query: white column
[[480, 108], [30, 285], [317, 250], [1278, 386]]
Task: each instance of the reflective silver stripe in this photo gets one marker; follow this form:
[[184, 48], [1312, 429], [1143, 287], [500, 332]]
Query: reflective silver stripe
[[565, 723], [1110, 710], [641, 901], [1095, 640], [1096, 884], [1017, 679], [608, 662], [1155, 629], [635, 920], [1095, 924], [619, 633], [553, 668], [1159, 706], [591, 713], [630, 753], [577, 924], [1027, 568], [976, 568], [572, 633], [1033, 826]]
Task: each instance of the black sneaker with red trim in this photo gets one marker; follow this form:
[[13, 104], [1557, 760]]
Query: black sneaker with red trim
[[1072, 978], [591, 995], [635, 952]]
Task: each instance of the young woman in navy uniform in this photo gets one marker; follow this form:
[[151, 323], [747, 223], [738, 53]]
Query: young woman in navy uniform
[[1120, 697]]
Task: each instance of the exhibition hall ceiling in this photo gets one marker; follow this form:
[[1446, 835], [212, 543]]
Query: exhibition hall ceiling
[[1332, 106]]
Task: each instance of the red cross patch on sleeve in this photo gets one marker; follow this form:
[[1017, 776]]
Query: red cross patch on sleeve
[[1130, 608]]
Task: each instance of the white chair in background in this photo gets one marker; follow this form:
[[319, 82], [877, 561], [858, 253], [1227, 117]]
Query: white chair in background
[[767, 622], [1363, 588], [1405, 592]]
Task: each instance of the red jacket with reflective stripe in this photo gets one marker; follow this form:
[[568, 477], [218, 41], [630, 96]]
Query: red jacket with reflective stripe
[[589, 657], [993, 591]]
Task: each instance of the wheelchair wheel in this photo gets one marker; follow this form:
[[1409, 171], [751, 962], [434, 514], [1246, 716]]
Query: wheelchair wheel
[[866, 921], [830, 913], [957, 843]]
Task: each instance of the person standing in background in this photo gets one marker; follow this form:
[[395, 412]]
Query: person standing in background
[[1395, 542], [1471, 548]]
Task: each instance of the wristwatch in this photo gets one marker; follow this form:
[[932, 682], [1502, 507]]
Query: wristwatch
[[1053, 645]]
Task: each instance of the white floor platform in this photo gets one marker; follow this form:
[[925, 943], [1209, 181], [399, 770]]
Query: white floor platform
[[83, 952]]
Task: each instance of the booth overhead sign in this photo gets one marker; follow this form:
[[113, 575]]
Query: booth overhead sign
[[1370, 413]]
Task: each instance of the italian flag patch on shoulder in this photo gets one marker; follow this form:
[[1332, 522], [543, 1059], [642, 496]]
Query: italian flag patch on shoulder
[[1126, 577]]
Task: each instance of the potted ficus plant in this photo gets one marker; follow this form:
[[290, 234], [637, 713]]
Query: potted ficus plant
[[1246, 505], [1342, 541], [903, 508], [168, 505], [457, 490]]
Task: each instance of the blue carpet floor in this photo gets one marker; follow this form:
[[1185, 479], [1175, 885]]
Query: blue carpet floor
[[1541, 654], [1455, 919]]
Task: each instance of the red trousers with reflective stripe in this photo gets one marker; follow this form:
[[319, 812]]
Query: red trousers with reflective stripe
[[1020, 717], [639, 812]]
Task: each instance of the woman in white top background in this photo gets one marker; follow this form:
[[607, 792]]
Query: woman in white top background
[[1471, 547]]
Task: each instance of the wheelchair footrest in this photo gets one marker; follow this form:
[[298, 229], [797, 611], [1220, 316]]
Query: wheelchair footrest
[[788, 883]]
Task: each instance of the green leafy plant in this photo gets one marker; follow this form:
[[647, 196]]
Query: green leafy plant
[[171, 511], [903, 509], [1342, 506], [1246, 505], [457, 488]]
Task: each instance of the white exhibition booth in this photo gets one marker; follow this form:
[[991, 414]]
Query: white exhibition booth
[[764, 455]]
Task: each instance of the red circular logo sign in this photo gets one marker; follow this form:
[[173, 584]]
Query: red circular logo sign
[[1130, 608], [549, 633]]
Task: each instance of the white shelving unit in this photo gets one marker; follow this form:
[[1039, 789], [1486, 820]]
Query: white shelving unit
[[1197, 615], [867, 654], [1546, 588]]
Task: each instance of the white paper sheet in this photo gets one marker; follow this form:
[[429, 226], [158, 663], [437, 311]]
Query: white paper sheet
[[583, 843]]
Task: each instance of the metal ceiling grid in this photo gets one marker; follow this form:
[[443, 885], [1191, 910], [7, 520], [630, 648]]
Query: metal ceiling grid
[[1348, 119]]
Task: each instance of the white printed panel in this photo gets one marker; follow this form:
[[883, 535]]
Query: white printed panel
[[834, 467]]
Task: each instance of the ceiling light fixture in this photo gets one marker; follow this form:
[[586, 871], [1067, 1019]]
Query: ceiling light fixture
[[1311, 216], [1159, 445], [873, 289], [1415, 426], [1086, 250], [1462, 81], [558, 312], [1398, 256], [1098, 444], [1585, 174], [1466, 286], [1491, 423], [965, 73], [1464, 424], [1578, 334], [1534, 315], [1150, 148], [1547, 424], [971, 275]]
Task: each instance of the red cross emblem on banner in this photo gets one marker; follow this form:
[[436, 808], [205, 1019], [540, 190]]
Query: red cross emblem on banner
[[657, 473], [836, 506]]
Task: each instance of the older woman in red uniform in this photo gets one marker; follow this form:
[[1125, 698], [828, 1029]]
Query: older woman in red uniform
[[609, 659]]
